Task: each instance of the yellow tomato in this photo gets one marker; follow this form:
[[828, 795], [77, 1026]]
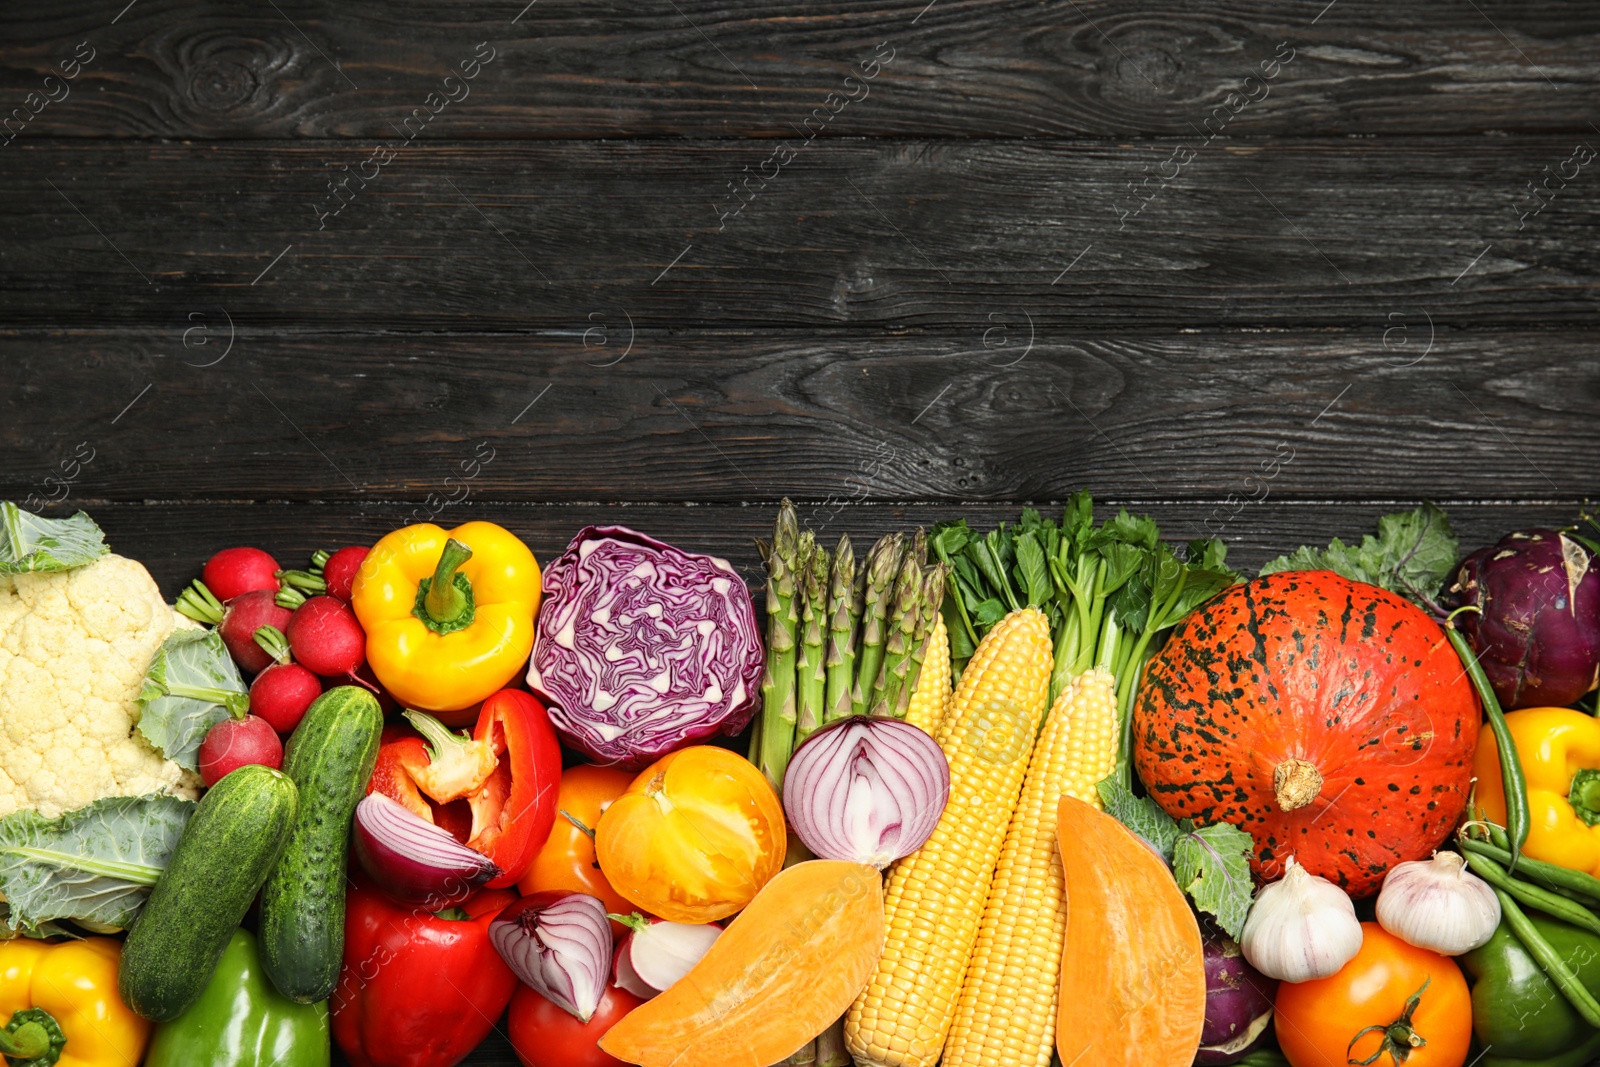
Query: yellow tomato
[[695, 836]]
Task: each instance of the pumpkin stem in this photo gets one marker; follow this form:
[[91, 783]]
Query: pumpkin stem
[[1296, 783]]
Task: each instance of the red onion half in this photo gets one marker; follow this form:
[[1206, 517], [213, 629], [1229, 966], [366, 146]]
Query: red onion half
[[559, 943], [866, 790], [413, 860], [656, 953]]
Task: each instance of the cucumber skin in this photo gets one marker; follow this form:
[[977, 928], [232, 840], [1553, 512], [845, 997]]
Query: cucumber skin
[[330, 757], [225, 853]]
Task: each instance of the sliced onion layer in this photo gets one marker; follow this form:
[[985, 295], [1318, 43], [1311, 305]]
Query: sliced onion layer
[[656, 953], [413, 860], [866, 790], [558, 943]]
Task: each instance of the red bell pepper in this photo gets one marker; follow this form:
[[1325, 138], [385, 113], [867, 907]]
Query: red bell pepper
[[418, 989], [508, 773]]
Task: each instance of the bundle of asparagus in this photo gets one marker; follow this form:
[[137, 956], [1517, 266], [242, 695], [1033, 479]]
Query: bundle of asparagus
[[842, 639]]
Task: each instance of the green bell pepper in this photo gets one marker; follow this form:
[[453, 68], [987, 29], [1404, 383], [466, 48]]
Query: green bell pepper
[[1518, 1015], [242, 1021]]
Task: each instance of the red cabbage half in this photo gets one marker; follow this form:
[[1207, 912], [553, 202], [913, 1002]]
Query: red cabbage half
[[643, 648]]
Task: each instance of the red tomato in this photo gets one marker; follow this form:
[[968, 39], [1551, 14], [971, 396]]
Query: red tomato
[[1318, 1021], [567, 859], [543, 1035]]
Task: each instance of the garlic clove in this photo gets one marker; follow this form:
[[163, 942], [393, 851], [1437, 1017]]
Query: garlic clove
[[1438, 904], [1300, 927]]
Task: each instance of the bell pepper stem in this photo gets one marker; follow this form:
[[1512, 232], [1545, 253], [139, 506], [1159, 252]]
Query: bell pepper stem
[[31, 1035], [444, 601], [1584, 795]]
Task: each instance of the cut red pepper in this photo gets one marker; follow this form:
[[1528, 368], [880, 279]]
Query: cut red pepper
[[508, 774], [513, 813]]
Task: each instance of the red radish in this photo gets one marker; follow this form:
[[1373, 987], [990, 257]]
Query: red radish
[[238, 621], [282, 693], [656, 953], [339, 570], [235, 571], [235, 743], [326, 638]]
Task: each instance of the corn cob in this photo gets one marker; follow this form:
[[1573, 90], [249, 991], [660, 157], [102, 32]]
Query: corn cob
[[1007, 1012], [932, 695], [935, 896]]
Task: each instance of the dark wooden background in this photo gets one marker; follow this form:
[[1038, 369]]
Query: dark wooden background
[[935, 308]]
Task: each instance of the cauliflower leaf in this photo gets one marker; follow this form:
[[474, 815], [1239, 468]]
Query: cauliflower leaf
[[30, 542], [94, 866], [192, 685]]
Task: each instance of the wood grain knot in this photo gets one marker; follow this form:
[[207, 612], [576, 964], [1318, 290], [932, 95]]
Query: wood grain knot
[[221, 84]]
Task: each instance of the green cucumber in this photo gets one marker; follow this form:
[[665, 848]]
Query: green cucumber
[[226, 852], [330, 757]]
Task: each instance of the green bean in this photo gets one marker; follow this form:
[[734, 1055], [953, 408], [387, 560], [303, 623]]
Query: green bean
[[1511, 777], [1557, 907], [1550, 961], [1556, 879]]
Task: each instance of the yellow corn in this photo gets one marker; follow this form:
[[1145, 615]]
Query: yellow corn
[[935, 896], [1006, 1016], [932, 695]]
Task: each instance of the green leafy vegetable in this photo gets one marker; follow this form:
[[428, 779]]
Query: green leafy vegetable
[[93, 866], [1212, 865], [1412, 555], [30, 542], [1139, 814], [192, 685]]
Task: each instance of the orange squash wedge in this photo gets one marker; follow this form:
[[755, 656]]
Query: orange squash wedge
[[1133, 982], [787, 967]]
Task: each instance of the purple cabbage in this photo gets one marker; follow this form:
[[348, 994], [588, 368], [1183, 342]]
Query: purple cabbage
[[1537, 627], [1238, 1002], [643, 648]]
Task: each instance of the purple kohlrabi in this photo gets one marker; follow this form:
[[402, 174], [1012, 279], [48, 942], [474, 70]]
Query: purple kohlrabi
[[1537, 627]]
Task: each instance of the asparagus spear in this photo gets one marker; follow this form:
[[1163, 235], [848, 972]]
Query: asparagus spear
[[932, 598], [883, 563], [905, 612], [777, 686], [811, 679], [919, 547], [843, 620]]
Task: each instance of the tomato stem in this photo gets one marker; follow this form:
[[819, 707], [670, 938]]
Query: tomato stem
[[1399, 1039]]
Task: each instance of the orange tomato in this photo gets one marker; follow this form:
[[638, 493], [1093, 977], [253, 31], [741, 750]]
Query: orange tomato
[[1318, 1021], [567, 859], [696, 835]]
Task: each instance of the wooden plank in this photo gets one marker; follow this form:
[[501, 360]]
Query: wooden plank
[[174, 539], [172, 68], [708, 416], [542, 236]]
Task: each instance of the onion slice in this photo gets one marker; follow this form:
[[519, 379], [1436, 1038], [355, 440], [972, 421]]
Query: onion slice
[[413, 860], [866, 790], [558, 943], [658, 952]]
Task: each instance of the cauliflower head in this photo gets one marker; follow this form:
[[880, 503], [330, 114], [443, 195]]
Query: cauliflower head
[[74, 647]]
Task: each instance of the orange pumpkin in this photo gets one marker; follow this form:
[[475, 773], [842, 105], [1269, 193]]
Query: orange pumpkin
[[695, 837], [1328, 718]]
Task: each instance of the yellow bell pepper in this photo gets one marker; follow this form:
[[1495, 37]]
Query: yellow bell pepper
[[1560, 751], [65, 996], [448, 615]]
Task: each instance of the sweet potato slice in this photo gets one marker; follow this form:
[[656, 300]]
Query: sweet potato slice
[[787, 967], [1133, 981]]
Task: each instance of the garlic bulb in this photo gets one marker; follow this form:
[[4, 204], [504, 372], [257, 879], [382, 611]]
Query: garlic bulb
[[1438, 904], [1300, 927]]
